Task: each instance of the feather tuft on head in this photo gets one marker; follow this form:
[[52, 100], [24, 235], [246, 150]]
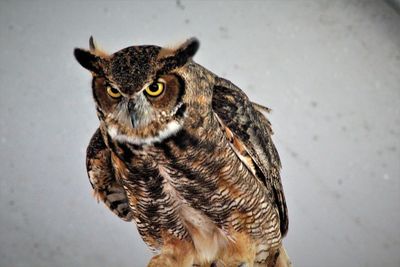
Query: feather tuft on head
[[96, 49]]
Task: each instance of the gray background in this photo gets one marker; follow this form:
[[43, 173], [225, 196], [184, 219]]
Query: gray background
[[330, 70]]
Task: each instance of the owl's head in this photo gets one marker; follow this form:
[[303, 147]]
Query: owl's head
[[139, 90]]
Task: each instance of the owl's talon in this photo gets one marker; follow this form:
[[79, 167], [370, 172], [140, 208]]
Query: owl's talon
[[162, 260]]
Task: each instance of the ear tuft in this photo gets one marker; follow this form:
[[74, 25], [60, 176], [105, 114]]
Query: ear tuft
[[190, 47], [87, 60], [186, 50], [96, 49], [92, 45], [177, 57]]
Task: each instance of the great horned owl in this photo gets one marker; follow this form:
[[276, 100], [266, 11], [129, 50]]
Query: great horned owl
[[187, 156]]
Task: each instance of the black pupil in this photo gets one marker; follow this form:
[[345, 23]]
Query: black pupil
[[153, 87], [114, 91]]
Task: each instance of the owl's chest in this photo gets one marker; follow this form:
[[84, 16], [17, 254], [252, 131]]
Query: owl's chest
[[184, 168], [168, 186], [185, 184], [183, 162]]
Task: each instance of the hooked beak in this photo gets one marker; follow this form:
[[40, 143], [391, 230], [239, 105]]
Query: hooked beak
[[140, 112], [132, 112]]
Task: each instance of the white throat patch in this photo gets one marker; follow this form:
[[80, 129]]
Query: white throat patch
[[172, 128]]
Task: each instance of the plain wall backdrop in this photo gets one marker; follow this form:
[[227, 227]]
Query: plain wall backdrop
[[330, 70]]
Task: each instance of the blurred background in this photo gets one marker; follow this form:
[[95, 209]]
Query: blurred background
[[330, 70]]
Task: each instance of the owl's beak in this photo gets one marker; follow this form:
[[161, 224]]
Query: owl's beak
[[132, 113]]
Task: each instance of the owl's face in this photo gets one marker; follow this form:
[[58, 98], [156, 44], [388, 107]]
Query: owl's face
[[139, 90]]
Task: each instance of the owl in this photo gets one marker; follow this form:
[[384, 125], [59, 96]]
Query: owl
[[187, 156]]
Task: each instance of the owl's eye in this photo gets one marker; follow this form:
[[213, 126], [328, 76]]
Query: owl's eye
[[114, 93], [155, 89]]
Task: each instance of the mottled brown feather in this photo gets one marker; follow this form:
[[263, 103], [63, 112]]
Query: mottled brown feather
[[102, 178], [254, 131]]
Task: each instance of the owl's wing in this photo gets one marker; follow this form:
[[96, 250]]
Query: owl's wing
[[250, 134], [102, 177]]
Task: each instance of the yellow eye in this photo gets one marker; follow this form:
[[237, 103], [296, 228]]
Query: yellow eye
[[114, 93], [155, 89]]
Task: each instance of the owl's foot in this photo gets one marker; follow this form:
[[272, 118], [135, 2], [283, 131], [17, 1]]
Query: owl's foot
[[163, 260], [231, 264], [174, 254], [170, 260], [283, 259]]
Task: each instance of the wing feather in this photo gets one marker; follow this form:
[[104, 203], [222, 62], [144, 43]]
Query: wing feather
[[242, 120], [102, 178]]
